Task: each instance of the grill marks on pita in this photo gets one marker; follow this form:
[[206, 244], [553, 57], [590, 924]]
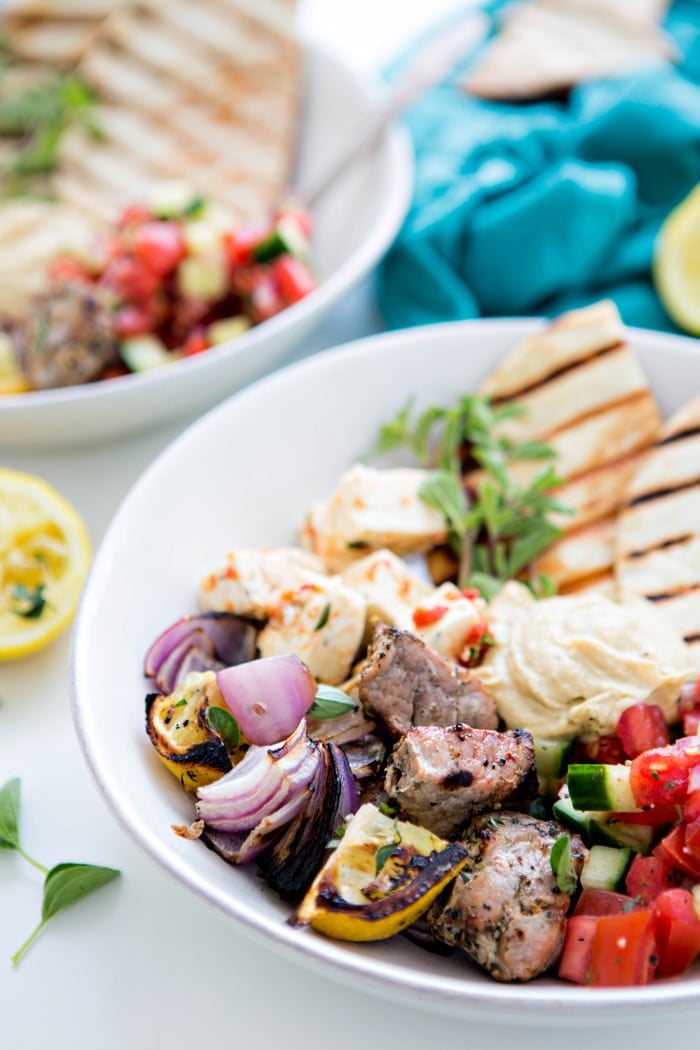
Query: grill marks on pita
[[658, 541], [205, 92], [54, 32], [585, 394]]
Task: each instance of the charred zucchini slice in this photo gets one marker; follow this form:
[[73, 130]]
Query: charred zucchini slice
[[178, 728]]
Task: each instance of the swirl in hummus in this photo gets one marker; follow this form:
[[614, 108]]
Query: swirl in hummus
[[572, 664]]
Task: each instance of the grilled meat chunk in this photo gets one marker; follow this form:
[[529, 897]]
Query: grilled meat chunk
[[68, 336], [405, 684], [442, 776], [505, 909]]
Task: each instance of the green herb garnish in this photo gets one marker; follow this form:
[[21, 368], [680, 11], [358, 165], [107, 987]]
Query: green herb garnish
[[383, 854], [560, 859], [323, 618], [28, 602], [223, 723], [36, 118], [507, 524], [330, 702]]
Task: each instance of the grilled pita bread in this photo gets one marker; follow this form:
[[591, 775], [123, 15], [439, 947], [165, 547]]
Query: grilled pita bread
[[32, 233], [585, 394], [549, 46], [207, 93], [658, 534], [54, 33]]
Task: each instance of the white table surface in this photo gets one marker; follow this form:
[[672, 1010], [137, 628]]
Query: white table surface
[[144, 960]]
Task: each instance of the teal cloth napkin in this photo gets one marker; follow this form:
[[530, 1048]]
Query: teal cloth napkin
[[536, 208]]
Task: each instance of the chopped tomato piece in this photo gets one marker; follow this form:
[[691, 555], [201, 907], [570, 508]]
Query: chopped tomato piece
[[425, 617], [265, 298], [624, 949], [159, 246], [647, 877], [691, 721], [641, 727], [472, 593], [239, 243], [677, 932], [660, 776], [575, 960], [134, 215], [131, 320], [131, 280], [294, 278], [195, 343], [604, 749], [604, 902], [692, 837], [673, 850]]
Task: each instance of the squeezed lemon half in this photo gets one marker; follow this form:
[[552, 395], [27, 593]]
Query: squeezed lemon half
[[383, 875], [44, 558], [677, 263]]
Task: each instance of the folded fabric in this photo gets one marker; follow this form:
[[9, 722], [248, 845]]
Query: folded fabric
[[535, 208]]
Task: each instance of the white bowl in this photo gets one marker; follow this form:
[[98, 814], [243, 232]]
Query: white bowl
[[244, 475], [355, 222]]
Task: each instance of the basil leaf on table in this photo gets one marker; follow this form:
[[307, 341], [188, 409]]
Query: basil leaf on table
[[9, 815], [65, 885]]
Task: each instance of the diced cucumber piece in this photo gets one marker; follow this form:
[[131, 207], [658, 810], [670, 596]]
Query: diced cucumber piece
[[609, 831], [143, 352], [203, 276], [175, 199], [597, 828], [552, 758], [227, 328], [603, 787], [605, 868], [285, 238]]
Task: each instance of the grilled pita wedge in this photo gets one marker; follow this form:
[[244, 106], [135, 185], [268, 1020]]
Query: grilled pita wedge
[[32, 233], [205, 92], [54, 33], [658, 533], [548, 46], [585, 394]]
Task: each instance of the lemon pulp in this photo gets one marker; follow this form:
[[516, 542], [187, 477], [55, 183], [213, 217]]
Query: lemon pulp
[[44, 558]]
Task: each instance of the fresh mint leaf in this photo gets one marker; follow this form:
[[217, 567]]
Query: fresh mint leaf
[[445, 493], [396, 433], [65, 885], [560, 859], [330, 702], [223, 723]]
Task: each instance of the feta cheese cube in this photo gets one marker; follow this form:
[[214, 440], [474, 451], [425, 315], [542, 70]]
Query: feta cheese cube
[[251, 581], [388, 586], [445, 619], [323, 622]]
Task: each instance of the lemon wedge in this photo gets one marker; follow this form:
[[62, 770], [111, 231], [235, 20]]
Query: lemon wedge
[[383, 875], [44, 558], [677, 263]]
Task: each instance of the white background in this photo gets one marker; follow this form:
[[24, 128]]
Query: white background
[[143, 961]]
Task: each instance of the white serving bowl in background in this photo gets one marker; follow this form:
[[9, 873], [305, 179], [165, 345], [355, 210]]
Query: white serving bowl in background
[[355, 222], [243, 476]]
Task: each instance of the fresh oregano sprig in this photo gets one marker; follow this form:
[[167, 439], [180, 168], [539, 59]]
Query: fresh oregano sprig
[[507, 524], [64, 884]]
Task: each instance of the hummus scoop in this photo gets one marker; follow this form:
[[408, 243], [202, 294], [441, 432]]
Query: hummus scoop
[[573, 663]]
